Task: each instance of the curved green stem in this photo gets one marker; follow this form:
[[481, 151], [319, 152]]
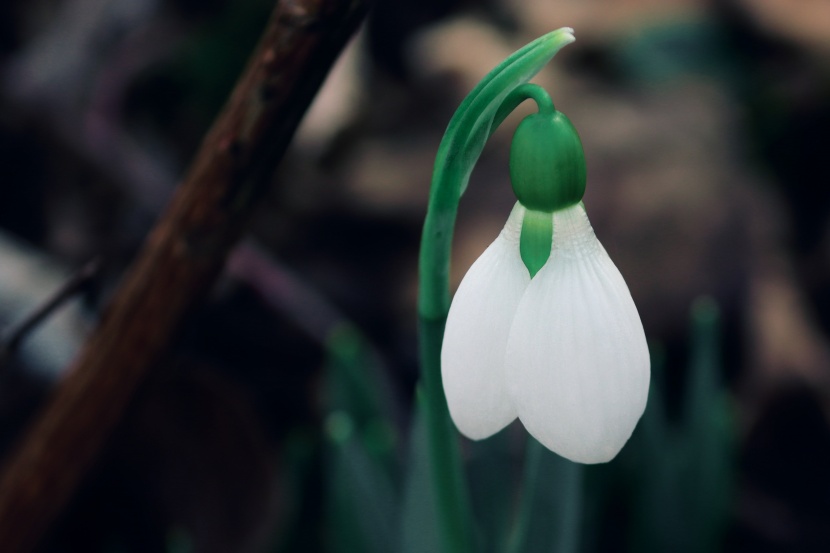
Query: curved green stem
[[480, 113], [527, 91]]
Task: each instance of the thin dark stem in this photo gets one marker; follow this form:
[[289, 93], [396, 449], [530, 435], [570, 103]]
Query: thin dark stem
[[75, 283]]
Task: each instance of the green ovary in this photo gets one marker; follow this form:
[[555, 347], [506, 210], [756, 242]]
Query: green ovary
[[547, 163]]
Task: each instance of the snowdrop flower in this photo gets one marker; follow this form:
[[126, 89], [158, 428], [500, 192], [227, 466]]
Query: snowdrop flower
[[543, 326]]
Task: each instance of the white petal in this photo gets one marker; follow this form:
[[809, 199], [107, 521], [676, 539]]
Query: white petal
[[577, 360], [475, 339]]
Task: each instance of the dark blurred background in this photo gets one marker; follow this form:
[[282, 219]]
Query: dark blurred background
[[705, 125]]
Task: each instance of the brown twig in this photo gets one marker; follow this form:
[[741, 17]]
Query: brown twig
[[178, 264], [14, 336]]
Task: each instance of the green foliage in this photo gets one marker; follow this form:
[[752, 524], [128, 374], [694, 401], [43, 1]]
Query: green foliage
[[490, 466], [678, 474], [362, 501], [685, 477], [420, 527], [362, 467], [551, 511]]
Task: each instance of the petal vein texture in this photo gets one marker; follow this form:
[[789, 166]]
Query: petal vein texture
[[577, 360]]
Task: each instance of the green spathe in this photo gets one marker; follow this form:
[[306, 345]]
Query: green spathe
[[547, 163]]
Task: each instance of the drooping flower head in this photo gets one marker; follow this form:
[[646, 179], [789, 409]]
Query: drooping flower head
[[543, 326]]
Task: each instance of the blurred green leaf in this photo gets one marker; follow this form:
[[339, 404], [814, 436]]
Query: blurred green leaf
[[665, 51], [356, 383], [708, 419], [419, 520], [362, 472], [492, 489], [684, 476], [550, 517], [362, 500]]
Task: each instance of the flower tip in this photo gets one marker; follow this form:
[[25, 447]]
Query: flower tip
[[597, 457], [558, 38], [568, 34]]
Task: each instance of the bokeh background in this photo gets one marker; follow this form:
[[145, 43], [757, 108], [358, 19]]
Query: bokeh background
[[705, 126]]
